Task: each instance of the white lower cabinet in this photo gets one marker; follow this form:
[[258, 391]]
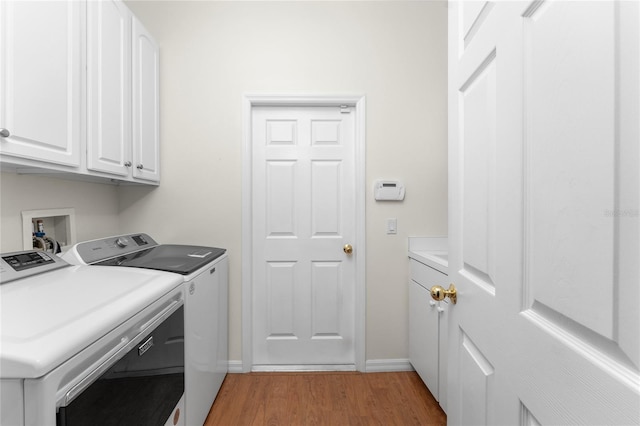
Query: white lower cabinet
[[428, 329]]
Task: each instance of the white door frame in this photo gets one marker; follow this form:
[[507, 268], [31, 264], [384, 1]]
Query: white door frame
[[358, 104]]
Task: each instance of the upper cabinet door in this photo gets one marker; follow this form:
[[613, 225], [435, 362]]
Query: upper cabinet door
[[109, 87], [146, 128], [41, 83]]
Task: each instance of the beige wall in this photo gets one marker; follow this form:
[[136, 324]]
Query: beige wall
[[96, 205], [214, 52]]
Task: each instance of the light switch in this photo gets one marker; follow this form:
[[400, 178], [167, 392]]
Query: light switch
[[392, 226]]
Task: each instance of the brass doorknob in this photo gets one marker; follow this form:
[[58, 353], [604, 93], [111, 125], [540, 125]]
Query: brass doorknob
[[347, 248], [439, 293]]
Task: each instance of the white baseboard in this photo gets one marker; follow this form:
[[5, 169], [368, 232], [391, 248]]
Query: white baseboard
[[372, 365], [235, 366], [298, 368], [387, 365]]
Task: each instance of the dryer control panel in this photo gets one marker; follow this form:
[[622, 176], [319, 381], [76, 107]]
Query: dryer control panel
[[23, 264]]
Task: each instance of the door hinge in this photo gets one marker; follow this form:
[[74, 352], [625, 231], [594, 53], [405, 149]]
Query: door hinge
[[345, 109]]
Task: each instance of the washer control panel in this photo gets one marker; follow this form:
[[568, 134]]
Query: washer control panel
[[93, 251]]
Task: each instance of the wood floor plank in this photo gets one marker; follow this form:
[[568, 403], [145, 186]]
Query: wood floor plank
[[327, 398]]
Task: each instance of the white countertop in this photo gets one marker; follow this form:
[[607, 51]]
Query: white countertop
[[430, 251]]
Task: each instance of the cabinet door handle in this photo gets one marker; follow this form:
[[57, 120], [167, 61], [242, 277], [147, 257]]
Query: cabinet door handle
[[5, 133], [139, 166], [127, 164]]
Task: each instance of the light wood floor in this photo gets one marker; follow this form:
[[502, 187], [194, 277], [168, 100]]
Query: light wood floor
[[331, 398]]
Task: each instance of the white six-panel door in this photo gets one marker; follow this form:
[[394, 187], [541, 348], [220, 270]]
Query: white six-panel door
[[303, 215], [544, 213]]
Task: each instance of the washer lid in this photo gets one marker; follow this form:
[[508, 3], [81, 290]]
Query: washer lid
[[48, 318], [181, 259]]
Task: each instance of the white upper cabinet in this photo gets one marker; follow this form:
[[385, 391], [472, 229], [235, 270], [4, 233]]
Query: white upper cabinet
[[79, 90], [109, 87], [42, 81], [146, 97]]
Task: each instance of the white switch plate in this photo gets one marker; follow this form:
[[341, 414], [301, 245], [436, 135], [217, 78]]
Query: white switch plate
[[392, 226]]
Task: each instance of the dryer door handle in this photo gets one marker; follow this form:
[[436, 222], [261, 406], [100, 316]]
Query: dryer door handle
[[107, 361]]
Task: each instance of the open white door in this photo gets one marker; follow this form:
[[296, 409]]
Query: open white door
[[544, 213]]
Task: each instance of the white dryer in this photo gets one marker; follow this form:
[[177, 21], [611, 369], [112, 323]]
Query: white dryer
[[205, 275], [73, 335]]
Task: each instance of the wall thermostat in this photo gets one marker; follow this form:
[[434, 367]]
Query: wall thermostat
[[389, 190]]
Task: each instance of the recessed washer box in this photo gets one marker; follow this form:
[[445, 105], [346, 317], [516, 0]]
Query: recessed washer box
[[59, 224]]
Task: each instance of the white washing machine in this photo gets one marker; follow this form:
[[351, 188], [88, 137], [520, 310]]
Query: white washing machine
[[74, 335], [205, 275]]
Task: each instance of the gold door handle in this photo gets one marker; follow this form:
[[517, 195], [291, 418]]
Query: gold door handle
[[347, 248], [439, 293]]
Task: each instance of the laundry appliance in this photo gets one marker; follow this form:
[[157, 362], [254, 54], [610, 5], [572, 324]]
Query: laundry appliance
[[74, 335], [205, 276]]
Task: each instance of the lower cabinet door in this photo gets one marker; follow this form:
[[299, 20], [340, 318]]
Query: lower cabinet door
[[423, 336]]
